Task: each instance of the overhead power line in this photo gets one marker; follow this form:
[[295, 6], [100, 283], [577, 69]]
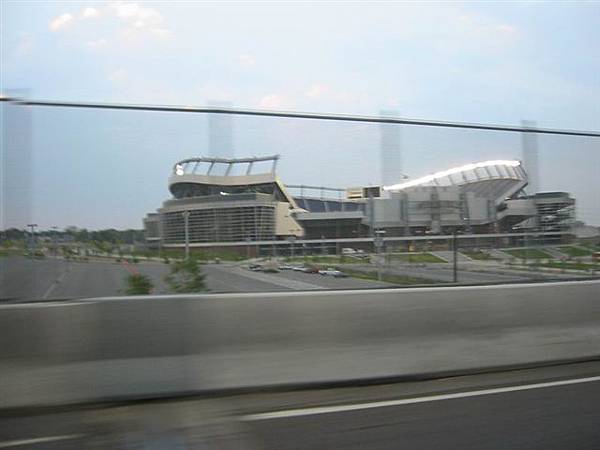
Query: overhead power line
[[300, 115]]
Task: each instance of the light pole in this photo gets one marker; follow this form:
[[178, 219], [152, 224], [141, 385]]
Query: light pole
[[378, 245], [186, 230], [248, 241], [32, 243], [291, 240], [454, 257], [54, 246]]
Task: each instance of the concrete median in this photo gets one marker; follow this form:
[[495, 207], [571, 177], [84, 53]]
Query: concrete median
[[122, 348]]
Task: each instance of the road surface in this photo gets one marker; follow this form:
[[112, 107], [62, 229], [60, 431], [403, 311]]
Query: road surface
[[548, 408]]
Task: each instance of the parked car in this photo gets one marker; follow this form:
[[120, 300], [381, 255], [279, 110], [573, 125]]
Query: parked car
[[310, 269], [255, 267], [286, 267], [332, 273], [270, 267]]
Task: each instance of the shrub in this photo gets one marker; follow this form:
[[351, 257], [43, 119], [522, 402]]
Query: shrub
[[138, 284], [186, 277]]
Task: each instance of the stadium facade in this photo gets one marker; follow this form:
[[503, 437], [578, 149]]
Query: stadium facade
[[221, 202]]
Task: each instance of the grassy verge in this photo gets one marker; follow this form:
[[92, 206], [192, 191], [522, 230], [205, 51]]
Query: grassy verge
[[416, 258], [594, 246], [388, 278], [325, 260], [530, 253], [10, 252], [570, 265], [479, 255], [575, 251]]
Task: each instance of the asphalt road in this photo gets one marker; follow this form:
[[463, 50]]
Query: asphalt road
[[559, 417], [546, 408]]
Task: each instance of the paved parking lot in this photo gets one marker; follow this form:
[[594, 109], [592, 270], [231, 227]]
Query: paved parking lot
[[27, 279]]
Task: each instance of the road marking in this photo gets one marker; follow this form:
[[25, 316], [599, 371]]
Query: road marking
[[49, 304], [409, 401], [41, 440], [55, 283]]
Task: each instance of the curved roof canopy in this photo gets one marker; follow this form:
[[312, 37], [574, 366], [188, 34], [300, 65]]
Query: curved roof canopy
[[469, 173], [205, 165]]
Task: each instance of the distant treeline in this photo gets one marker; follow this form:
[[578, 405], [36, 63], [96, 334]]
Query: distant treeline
[[110, 235]]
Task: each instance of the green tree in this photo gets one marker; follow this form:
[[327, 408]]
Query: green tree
[[186, 277], [138, 284]]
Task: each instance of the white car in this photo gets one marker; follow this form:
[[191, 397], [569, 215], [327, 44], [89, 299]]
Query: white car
[[332, 273]]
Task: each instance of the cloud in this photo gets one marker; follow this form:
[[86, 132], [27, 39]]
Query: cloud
[[118, 76], [133, 21], [98, 43], [271, 101], [246, 60], [138, 18], [90, 13], [316, 90], [25, 44], [60, 22], [481, 27]]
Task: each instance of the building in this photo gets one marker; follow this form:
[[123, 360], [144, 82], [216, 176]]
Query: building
[[238, 204]]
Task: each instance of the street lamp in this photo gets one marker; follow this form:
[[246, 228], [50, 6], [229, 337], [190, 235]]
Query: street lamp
[[186, 230], [32, 242], [379, 234], [54, 228], [291, 240], [248, 241]]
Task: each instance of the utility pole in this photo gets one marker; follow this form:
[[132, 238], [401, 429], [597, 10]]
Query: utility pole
[[291, 240], [378, 246], [186, 227], [32, 226], [54, 246], [454, 257]]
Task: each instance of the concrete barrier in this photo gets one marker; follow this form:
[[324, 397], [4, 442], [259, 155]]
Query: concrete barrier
[[101, 349]]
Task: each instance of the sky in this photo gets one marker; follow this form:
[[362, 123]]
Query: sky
[[485, 62]]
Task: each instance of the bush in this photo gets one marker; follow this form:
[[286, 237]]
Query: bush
[[138, 284], [186, 277]]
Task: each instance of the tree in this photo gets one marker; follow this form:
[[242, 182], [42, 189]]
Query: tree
[[138, 284], [186, 277]]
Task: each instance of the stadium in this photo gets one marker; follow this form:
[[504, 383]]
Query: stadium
[[219, 202]]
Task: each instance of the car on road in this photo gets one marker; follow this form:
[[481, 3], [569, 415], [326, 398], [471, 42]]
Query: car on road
[[310, 269], [286, 267], [332, 272], [255, 267]]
